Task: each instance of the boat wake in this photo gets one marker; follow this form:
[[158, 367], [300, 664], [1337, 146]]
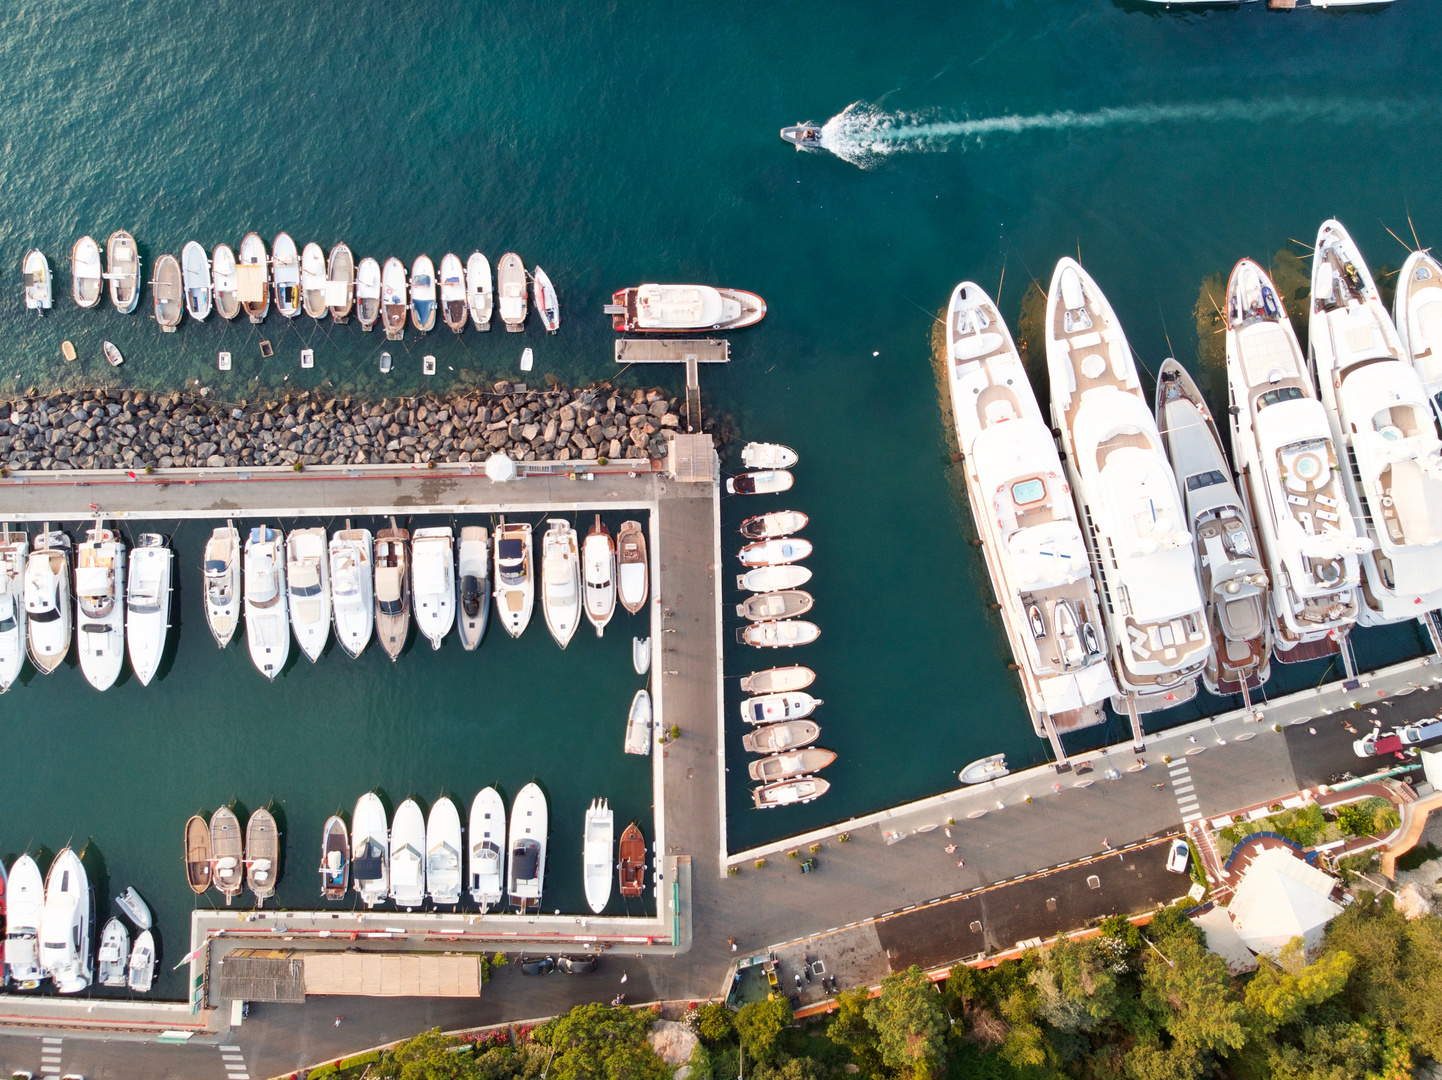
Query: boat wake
[[866, 135]]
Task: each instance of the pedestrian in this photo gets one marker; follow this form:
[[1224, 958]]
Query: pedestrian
[[1311, 731], [337, 1021], [1141, 764], [1191, 738], [1106, 844], [960, 862], [732, 942], [951, 849], [1159, 787]]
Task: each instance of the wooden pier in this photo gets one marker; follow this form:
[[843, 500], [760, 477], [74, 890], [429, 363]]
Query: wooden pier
[[673, 351]]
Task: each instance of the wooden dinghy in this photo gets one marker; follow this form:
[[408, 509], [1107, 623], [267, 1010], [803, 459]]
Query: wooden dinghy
[[453, 292], [632, 861], [633, 575], [252, 278], [262, 850], [775, 605], [197, 854], [228, 851]]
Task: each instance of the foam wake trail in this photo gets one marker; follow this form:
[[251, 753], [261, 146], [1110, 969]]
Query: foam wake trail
[[864, 134]]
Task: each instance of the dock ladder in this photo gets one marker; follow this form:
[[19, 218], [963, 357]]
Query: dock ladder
[[1349, 662], [1139, 740]]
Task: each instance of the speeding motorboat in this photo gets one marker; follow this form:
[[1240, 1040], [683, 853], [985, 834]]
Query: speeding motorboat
[[100, 606], [803, 136], [473, 585], [222, 583]]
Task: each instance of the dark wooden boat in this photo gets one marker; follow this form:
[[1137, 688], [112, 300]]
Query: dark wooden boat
[[393, 588], [197, 854], [632, 851]]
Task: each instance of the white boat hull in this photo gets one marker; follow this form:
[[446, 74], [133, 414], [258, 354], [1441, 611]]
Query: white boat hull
[[433, 583], [529, 829], [100, 639], [443, 853], [222, 583], [307, 579], [267, 621], [639, 724], [408, 861], [473, 586], [598, 854], [486, 871], [352, 589], [147, 616], [561, 581], [370, 836]]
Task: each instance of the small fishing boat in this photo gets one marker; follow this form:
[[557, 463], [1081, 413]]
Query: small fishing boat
[[433, 571], [313, 281], [633, 575], [65, 924], [803, 136], [423, 294], [479, 296], [112, 354], [443, 853], [227, 848], [67, 350], [770, 526], [773, 578], [24, 909], [114, 953], [142, 963], [334, 859], [778, 635], [14, 551], [453, 292], [133, 906], [195, 277], [262, 855], [775, 605], [777, 552], [352, 587], [39, 285], [198, 859], [253, 278], [428, 364], [122, 261], [147, 615], [267, 622], [598, 560], [224, 282], [408, 861], [100, 606], [768, 482], [984, 769], [631, 861], [473, 585], [560, 580], [767, 455], [393, 299], [385, 363], [641, 654], [222, 583], [167, 294], [393, 589], [774, 738], [773, 708], [511, 290], [528, 358], [47, 600], [87, 280], [598, 841], [790, 764], [307, 575], [662, 309], [639, 725], [368, 293], [370, 850], [778, 680], [285, 275], [486, 878], [803, 789], [340, 283], [515, 580], [529, 827], [548, 306]]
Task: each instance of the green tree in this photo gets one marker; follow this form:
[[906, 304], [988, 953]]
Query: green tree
[[715, 1023], [850, 1028], [601, 1042], [909, 1023], [760, 1025], [1076, 985], [796, 1068], [1190, 990], [1341, 1051], [1276, 996], [428, 1057]]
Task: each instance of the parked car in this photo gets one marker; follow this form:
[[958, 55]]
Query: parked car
[[1420, 732], [1179, 856], [578, 965], [542, 966]]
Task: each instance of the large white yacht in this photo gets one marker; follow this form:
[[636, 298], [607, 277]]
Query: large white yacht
[[352, 597], [433, 585], [24, 907], [1135, 524], [1234, 583], [100, 606], [560, 580], [1282, 445], [14, 548], [598, 556], [443, 853], [267, 624], [370, 850], [1381, 416], [486, 875], [65, 924], [1026, 521], [529, 830], [1417, 313], [408, 860], [47, 600], [147, 614], [222, 583]]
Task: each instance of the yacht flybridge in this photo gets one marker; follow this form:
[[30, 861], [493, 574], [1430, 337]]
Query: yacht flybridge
[[1380, 413], [1137, 536], [1023, 508], [1283, 450]]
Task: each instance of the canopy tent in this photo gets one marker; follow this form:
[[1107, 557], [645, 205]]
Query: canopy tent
[[1280, 898]]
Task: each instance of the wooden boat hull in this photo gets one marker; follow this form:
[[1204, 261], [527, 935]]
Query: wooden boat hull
[[334, 859], [631, 861], [779, 635], [790, 764], [392, 590], [198, 860], [228, 851], [167, 293], [480, 297], [453, 293], [122, 269], [87, 283], [340, 283], [223, 283], [254, 284], [633, 578], [795, 792], [262, 853]]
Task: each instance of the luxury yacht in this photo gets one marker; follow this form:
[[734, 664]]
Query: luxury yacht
[[1417, 314], [65, 924], [515, 575], [529, 828], [1025, 519], [267, 623], [408, 861], [560, 580], [147, 615], [1282, 445], [598, 554], [665, 309], [443, 853], [352, 584], [487, 870], [1380, 414], [14, 550], [1138, 538], [433, 572], [307, 576], [473, 585], [47, 600], [100, 606], [222, 583], [597, 854], [370, 850]]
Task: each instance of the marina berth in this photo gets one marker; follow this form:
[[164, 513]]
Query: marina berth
[[641, 654], [765, 455], [39, 285], [340, 283], [777, 552], [511, 291], [24, 912], [434, 589], [597, 854], [408, 861], [639, 724], [48, 611], [1381, 415], [486, 870], [114, 954], [1417, 317], [352, 586], [394, 305], [769, 482], [65, 924], [528, 834], [453, 292], [443, 853], [285, 275], [1288, 464], [560, 580], [195, 276], [224, 282], [147, 614], [313, 281], [392, 589], [87, 282], [777, 523], [598, 557], [199, 862], [307, 576], [227, 848], [773, 578], [142, 963], [632, 571], [267, 621], [985, 769], [122, 261], [368, 293], [423, 294], [778, 680], [479, 294], [790, 764], [221, 569], [786, 604], [1234, 582], [661, 309], [778, 635], [803, 789], [773, 708], [631, 861], [262, 855], [773, 738], [473, 585], [334, 859], [253, 278], [548, 307], [515, 576], [370, 850], [14, 552], [167, 293], [100, 606], [1124, 486]]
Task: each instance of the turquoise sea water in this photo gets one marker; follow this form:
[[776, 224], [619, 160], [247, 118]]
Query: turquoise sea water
[[618, 143]]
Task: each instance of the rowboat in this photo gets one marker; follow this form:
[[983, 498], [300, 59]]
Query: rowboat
[[262, 854], [775, 605], [166, 293], [453, 292], [198, 862], [122, 260], [224, 282], [632, 861], [253, 278]]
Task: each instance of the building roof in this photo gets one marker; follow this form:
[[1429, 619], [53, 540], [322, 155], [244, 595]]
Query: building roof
[[1281, 897]]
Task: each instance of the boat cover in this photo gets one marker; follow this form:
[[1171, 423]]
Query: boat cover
[[93, 581], [388, 584], [525, 860]]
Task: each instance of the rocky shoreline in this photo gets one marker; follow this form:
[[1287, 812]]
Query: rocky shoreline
[[137, 429]]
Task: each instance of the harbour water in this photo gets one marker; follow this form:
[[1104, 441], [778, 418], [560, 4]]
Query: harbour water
[[981, 139]]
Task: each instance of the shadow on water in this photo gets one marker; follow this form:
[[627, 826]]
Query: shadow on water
[[93, 859], [282, 833]]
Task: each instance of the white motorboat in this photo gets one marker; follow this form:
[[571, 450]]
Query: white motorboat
[[790, 764], [768, 455], [486, 871], [548, 307], [142, 963], [368, 293], [114, 954], [1124, 486], [47, 600], [515, 577], [307, 576], [598, 854], [473, 585], [639, 724], [222, 583], [224, 282], [313, 281], [1380, 413], [285, 275], [167, 293], [778, 680], [773, 578], [334, 859], [984, 769], [87, 279], [147, 608], [267, 622], [408, 860], [479, 295], [196, 280], [776, 524], [39, 285], [100, 606], [133, 906], [122, 261], [803, 789], [765, 607], [352, 588], [14, 551], [443, 853], [1417, 316], [453, 292], [767, 482], [778, 635], [65, 924], [253, 278], [662, 309], [434, 582], [340, 283], [423, 294], [774, 708], [370, 850], [529, 827], [641, 654], [1234, 583], [24, 907], [774, 738], [598, 561], [778, 552], [393, 589], [632, 569], [394, 304], [1283, 450], [511, 291], [560, 580]]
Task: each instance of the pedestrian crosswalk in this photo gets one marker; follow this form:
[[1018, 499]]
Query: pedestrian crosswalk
[[50, 1052], [1185, 791], [234, 1062]]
